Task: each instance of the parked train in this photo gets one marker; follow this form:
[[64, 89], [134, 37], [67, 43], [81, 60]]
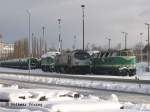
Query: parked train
[[121, 62], [22, 63]]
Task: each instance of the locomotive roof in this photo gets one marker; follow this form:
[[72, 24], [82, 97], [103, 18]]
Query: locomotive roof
[[78, 50], [74, 51], [50, 54]]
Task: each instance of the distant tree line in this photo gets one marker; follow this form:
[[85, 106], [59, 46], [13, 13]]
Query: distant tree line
[[37, 48]]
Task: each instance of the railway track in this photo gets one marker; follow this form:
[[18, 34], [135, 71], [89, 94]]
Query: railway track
[[104, 94], [83, 77], [82, 81]]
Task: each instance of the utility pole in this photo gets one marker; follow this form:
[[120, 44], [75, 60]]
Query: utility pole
[[33, 46], [59, 40], [83, 7], [141, 46], [1, 45], [44, 41], [125, 33], [29, 26], [148, 46]]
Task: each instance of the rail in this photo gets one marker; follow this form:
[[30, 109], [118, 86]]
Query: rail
[[82, 77]]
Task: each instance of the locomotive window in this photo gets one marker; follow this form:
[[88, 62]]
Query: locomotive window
[[127, 53], [82, 55], [124, 54], [114, 54], [130, 53]]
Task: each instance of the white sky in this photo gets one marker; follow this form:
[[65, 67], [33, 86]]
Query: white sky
[[103, 18]]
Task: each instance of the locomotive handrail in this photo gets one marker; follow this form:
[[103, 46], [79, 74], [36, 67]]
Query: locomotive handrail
[[82, 77]]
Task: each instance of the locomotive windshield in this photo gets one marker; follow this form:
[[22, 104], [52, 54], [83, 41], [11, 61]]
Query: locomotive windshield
[[82, 55], [127, 53]]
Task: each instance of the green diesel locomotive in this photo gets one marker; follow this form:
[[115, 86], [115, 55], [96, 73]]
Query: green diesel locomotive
[[48, 61], [76, 62], [120, 63]]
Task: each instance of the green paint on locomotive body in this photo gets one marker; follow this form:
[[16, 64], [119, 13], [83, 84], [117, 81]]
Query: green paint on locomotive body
[[116, 61], [47, 64], [22, 63], [47, 61]]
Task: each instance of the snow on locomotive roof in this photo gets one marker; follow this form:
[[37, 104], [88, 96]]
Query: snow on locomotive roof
[[93, 52], [49, 54]]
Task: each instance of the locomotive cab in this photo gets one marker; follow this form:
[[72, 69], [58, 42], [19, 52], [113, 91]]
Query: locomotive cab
[[128, 62]]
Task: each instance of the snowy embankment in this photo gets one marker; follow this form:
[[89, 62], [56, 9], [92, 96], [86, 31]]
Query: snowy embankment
[[127, 87], [118, 86], [141, 71], [13, 99]]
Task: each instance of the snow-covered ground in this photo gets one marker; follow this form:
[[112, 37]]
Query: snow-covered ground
[[13, 99], [42, 100], [128, 87], [38, 71], [140, 72]]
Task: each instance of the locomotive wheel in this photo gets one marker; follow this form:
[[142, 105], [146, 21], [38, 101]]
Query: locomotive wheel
[[132, 73], [116, 72], [43, 68], [57, 69], [62, 70], [125, 73]]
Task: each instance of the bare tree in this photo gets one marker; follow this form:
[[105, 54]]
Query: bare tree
[[21, 48]]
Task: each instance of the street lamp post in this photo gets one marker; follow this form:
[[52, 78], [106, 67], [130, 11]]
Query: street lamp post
[[125, 33], [59, 40], [29, 27], [141, 46], [148, 46], [43, 30], [83, 6], [1, 47], [109, 39], [147, 50]]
